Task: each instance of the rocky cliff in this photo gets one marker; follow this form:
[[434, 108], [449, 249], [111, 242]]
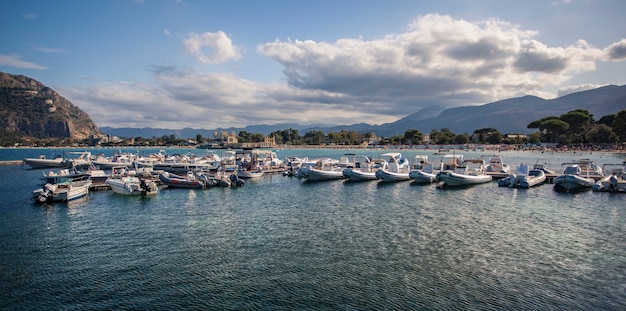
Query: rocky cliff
[[29, 108]]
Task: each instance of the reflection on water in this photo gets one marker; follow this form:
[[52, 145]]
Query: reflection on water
[[278, 243]]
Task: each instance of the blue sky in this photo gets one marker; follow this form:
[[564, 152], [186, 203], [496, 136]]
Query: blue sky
[[208, 64]]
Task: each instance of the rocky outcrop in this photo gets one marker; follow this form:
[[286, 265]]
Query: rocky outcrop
[[29, 108]]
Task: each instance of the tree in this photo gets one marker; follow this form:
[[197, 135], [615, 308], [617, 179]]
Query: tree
[[619, 125], [461, 139], [555, 127], [494, 138], [578, 121], [534, 138], [413, 136], [314, 137], [601, 134]]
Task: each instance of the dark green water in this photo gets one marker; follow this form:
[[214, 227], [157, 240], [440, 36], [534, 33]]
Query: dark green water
[[278, 243]]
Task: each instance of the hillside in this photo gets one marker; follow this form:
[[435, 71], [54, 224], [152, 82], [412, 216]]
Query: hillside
[[29, 108], [514, 114], [507, 116]]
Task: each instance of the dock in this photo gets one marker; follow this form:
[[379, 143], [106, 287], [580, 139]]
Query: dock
[[12, 162]]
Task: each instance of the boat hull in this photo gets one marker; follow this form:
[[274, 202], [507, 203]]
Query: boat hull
[[176, 181], [313, 174], [38, 163], [535, 177], [572, 182], [357, 175], [456, 180], [422, 177], [132, 186], [388, 176]]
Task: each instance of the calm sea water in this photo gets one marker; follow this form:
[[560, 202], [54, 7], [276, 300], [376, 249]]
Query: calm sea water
[[280, 244]]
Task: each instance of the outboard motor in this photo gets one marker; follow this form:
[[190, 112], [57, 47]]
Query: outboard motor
[[237, 182], [47, 194]]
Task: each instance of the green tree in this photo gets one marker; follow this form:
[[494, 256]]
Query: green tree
[[534, 138], [601, 134], [314, 137], [413, 136], [619, 125], [461, 139], [555, 128]]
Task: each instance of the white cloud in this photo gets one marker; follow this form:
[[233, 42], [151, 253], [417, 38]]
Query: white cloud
[[220, 45], [437, 61], [577, 88], [17, 62], [616, 51]]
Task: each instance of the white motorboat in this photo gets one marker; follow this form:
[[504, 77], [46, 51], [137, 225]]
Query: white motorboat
[[580, 174], [421, 170], [364, 168], [397, 169], [250, 173], [615, 179], [131, 185], [497, 165], [424, 175], [82, 161], [43, 162], [324, 169], [470, 172], [523, 178], [62, 192]]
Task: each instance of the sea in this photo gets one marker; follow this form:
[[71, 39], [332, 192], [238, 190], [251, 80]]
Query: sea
[[278, 243]]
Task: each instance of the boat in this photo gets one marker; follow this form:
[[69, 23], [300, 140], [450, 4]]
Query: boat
[[541, 164], [250, 173], [615, 179], [83, 161], [131, 185], [428, 173], [523, 178], [63, 191], [470, 172], [178, 181], [53, 177], [496, 165], [324, 169], [397, 169], [43, 162], [118, 160], [364, 168], [578, 175]]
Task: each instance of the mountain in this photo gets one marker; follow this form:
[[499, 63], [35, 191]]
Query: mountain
[[507, 116], [514, 114], [29, 108]]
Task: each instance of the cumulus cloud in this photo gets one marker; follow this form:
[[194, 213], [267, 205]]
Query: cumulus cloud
[[187, 98], [616, 51], [220, 47], [17, 62], [436, 61]]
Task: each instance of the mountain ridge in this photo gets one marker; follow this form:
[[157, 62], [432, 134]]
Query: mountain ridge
[[510, 115]]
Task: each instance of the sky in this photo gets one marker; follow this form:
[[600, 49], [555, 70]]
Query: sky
[[218, 64]]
